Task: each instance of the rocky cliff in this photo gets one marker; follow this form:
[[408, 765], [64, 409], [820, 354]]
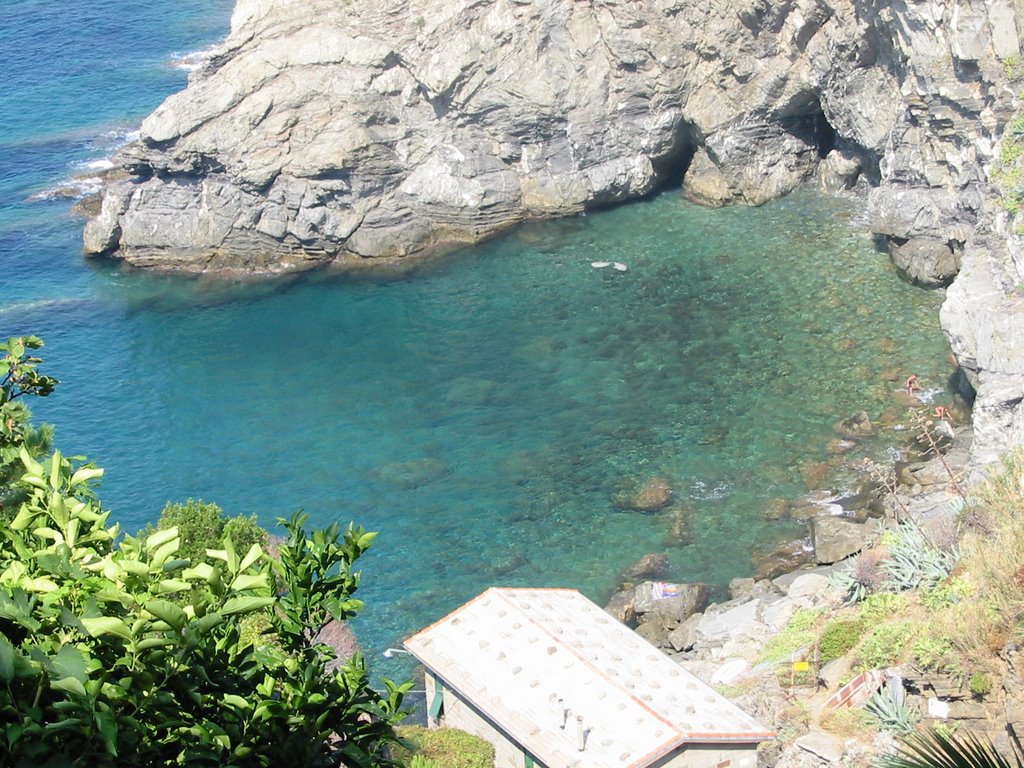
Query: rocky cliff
[[338, 132]]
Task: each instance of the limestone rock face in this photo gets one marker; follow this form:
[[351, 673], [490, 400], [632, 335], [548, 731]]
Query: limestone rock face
[[348, 132], [325, 131]]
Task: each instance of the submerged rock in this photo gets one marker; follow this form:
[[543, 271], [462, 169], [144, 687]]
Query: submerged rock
[[857, 425], [679, 532], [413, 474], [654, 494], [648, 568]]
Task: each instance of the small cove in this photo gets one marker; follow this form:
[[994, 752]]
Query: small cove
[[483, 411]]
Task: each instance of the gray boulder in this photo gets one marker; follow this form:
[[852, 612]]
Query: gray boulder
[[835, 538], [668, 604], [925, 261]]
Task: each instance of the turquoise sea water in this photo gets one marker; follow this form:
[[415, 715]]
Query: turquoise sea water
[[484, 411]]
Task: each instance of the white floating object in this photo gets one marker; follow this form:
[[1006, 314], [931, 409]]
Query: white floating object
[[620, 266], [600, 264]]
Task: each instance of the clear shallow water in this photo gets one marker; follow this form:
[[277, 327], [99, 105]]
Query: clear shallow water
[[483, 412]]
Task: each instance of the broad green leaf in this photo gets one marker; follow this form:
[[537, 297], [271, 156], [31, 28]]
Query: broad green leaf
[[70, 662], [39, 585], [106, 625], [69, 684], [203, 571], [247, 581], [55, 467], [246, 604], [235, 701], [164, 552], [255, 553], [85, 474], [7, 654], [232, 556], [154, 642], [134, 567], [208, 622], [106, 723], [171, 585], [31, 465], [167, 611], [160, 538]]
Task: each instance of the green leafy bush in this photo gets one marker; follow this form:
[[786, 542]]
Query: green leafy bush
[[202, 526], [838, 638], [126, 653], [446, 747], [799, 633], [19, 378], [980, 684], [883, 646], [933, 652], [948, 593], [881, 606]]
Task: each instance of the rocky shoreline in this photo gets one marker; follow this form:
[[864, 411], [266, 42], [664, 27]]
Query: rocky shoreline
[[728, 643]]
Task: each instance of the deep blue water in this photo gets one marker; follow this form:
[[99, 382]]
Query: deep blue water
[[483, 412]]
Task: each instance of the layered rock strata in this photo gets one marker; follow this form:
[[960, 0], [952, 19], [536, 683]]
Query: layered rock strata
[[346, 133]]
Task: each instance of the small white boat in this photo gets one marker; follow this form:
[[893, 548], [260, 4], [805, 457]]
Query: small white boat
[[619, 266], [600, 264]]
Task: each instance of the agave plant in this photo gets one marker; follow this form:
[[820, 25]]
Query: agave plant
[[914, 560], [934, 749], [891, 708]]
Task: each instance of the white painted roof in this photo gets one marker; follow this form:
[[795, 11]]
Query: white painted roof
[[523, 656]]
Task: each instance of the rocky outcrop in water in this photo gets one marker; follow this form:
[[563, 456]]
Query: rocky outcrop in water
[[352, 133]]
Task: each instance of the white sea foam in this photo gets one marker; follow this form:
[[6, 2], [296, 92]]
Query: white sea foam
[[103, 164], [118, 137], [24, 307], [190, 62], [82, 179], [703, 491], [74, 188], [929, 395]]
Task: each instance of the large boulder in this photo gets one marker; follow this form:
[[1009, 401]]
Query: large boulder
[[667, 604], [836, 538], [925, 261]]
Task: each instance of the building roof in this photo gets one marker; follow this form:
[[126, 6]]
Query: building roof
[[525, 656]]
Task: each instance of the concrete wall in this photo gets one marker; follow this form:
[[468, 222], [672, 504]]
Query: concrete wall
[[460, 714], [700, 756]]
